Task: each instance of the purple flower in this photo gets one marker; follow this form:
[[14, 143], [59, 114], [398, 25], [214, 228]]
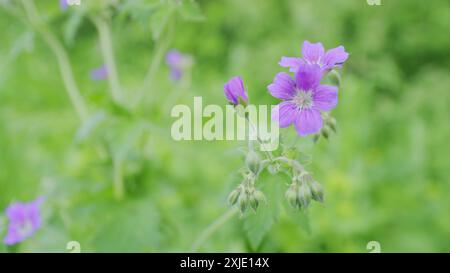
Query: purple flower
[[24, 220], [235, 91], [100, 73], [63, 4], [315, 54], [177, 63], [303, 99]]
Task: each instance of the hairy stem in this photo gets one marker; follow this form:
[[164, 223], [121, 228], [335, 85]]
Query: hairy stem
[[104, 33], [261, 143], [212, 228], [62, 58], [292, 163]]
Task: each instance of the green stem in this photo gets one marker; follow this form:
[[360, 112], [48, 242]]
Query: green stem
[[161, 48], [293, 163], [119, 190], [104, 33], [62, 58], [178, 92], [261, 143], [212, 228]]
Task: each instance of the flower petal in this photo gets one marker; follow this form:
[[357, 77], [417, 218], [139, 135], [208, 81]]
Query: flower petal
[[308, 76], [325, 97], [335, 57], [100, 73], [291, 62], [285, 113], [312, 53], [234, 89], [308, 121], [173, 58], [283, 86]]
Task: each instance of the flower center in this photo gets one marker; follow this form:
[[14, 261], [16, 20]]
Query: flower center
[[303, 99], [25, 229]]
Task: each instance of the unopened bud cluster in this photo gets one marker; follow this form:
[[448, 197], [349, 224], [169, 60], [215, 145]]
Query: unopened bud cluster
[[303, 190], [246, 196], [329, 126]]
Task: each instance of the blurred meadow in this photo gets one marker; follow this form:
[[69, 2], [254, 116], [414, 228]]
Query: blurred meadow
[[114, 180]]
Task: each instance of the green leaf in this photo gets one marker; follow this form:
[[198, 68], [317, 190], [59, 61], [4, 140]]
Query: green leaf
[[299, 217], [71, 27], [159, 20], [190, 11], [89, 126], [138, 10], [257, 225], [24, 43], [124, 136], [130, 227]]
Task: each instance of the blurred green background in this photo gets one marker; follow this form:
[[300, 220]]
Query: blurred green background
[[386, 172]]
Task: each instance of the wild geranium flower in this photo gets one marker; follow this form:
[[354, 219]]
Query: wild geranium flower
[[315, 54], [177, 63], [63, 4], [24, 220], [235, 91], [100, 73], [304, 99]]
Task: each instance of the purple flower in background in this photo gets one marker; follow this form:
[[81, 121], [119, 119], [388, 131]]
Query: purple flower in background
[[303, 99], [100, 73], [63, 4], [177, 63], [235, 91], [173, 60], [24, 220], [315, 54]]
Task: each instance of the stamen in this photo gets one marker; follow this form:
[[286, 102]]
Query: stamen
[[303, 99]]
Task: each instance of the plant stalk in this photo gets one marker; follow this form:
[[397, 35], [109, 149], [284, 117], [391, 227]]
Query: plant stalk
[[62, 58]]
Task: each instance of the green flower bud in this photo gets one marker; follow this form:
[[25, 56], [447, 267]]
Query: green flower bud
[[316, 137], [291, 195], [304, 195], [253, 162], [334, 77], [243, 202], [317, 191], [260, 196], [254, 203], [234, 196], [332, 123], [325, 132]]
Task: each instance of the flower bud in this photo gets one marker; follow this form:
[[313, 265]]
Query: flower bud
[[304, 195], [243, 202], [260, 196], [317, 191], [235, 91], [316, 137], [254, 203], [291, 195], [335, 78], [253, 162], [234, 196], [332, 123], [325, 132]]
